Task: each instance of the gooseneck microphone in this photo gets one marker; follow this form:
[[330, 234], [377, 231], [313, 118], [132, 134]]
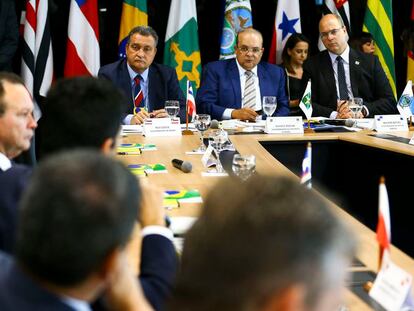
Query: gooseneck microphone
[[183, 166]]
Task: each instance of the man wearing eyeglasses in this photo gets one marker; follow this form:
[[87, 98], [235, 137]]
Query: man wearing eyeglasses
[[233, 88], [146, 84], [340, 73]]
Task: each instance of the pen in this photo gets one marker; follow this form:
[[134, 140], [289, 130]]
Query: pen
[[129, 153]]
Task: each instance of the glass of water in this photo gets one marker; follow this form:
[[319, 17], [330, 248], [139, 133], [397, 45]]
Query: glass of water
[[269, 105], [202, 123], [244, 166], [218, 141], [172, 107], [355, 105]]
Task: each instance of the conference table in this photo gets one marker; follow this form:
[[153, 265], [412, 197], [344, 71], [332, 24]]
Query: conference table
[[345, 167]]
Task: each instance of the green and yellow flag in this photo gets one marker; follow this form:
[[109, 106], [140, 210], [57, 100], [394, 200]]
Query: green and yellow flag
[[378, 21], [134, 13], [181, 43]]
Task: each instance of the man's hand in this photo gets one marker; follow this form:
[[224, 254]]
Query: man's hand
[[139, 117], [343, 110], [244, 114], [152, 213], [161, 113], [124, 292]]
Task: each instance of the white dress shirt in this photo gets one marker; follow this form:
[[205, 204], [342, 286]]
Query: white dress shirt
[[5, 162]]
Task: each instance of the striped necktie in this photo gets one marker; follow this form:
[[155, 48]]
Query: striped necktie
[[138, 94], [343, 89], [249, 96]]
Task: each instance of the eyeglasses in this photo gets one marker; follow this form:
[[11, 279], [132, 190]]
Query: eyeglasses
[[245, 49], [332, 32]]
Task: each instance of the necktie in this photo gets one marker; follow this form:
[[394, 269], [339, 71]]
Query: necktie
[[138, 94], [249, 96], [343, 89]]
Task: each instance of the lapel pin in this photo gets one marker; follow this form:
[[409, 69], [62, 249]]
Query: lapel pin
[[356, 62]]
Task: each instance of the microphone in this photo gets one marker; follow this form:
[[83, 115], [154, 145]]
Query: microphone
[[214, 124], [350, 122], [183, 166]]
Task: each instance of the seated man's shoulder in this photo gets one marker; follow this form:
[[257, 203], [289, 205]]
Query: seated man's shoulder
[[111, 67], [5, 264]]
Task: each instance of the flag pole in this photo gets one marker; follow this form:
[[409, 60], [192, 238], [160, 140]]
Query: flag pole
[[187, 131]]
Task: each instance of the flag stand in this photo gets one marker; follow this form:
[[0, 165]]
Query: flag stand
[[308, 129], [187, 131], [410, 124]]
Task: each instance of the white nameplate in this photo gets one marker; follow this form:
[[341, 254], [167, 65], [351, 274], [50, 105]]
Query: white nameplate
[[162, 127], [205, 159], [391, 287], [367, 123], [284, 125], [390, 123], [411, 142]]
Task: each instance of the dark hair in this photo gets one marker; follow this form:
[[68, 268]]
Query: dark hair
[[78, 208], [290, 44], [145, 31], [358, 41], [270, 234], [11, 78], [80, 112]]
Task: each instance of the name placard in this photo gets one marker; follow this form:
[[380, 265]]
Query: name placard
[[162, 127], [391, 287], [390, 123], [284, 125]]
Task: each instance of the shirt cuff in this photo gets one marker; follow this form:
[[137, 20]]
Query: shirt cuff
[[227, 114], [333, 114], [127, 120], [164, 231]]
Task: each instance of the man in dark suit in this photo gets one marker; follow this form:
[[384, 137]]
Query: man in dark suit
[[17, 127], [341, 73], [9, 34], [76, 218], [233, 89], [147, 85], [85, 112]]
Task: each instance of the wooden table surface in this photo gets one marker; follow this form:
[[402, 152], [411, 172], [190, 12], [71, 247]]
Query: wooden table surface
[[169, 148]]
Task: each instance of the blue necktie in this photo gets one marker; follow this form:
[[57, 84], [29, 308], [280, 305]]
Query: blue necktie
[[343, 89], [138, 94]]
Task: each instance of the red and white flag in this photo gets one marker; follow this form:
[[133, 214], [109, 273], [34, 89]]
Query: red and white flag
[[384, 222], [37, 56], [191, 106], [287, 22], [82, 53]]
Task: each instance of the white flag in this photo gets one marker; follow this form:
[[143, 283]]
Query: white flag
[[404, 103], [305, 102]]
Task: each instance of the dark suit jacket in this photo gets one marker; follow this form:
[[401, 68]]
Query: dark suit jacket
[[220, 87], [9, 34], [12, 183], [19, 292], [368, 81], [158, 269], [162, 85]]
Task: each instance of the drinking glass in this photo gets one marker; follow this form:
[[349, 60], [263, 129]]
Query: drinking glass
[[269, 105], [244, 166], [218, 140], [172, 107], [202, 123], [355, 105]]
